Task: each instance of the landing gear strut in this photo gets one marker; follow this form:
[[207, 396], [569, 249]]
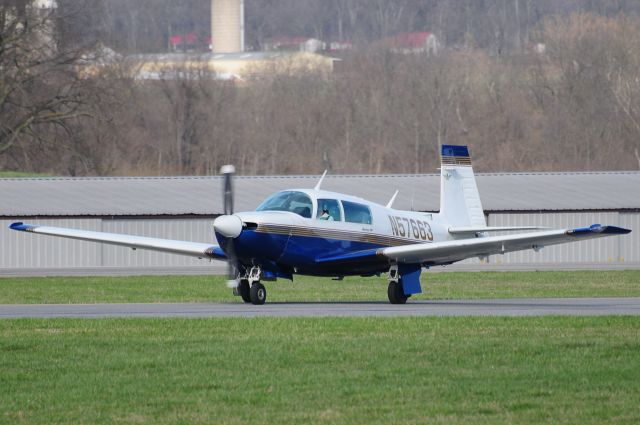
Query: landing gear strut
[[250, 288], [395, 291]]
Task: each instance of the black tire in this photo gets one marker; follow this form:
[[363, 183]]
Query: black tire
[[258, 294], [396, 293], [244, 291]]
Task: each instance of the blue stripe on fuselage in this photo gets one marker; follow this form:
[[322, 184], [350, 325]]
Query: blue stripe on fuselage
[[287, 252]]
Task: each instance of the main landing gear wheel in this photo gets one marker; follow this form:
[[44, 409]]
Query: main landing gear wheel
[[258, 293], [244, 291], [396, 293]]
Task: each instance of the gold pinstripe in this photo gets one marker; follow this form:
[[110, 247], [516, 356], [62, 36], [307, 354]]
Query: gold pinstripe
[[456, 160], [315, 232]]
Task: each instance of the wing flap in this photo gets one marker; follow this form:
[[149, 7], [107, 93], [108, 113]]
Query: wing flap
[[465, 230], [447, 252], [193, 249]]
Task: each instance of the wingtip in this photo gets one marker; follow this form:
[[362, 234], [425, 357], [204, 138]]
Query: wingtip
[[19, 226], [614, 230], [598, 228]]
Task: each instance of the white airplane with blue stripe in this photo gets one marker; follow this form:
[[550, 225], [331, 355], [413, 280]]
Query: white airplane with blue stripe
[[321, 233]]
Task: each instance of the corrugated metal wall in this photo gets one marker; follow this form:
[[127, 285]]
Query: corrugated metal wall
[[23, 251], [615, 252], [630, 245], [20, 250], [608, 250], [39, 251], [195, 230]]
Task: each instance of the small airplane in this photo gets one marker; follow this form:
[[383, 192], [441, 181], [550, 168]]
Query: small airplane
[[321, 233]]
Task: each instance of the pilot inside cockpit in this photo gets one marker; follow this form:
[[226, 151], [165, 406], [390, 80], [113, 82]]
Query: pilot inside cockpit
[[325, 214]]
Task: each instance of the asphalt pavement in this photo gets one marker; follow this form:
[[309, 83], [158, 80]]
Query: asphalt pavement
[[488, 307]]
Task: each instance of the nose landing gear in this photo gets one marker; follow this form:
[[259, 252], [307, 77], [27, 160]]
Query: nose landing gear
[[250, 288], [258, 293]]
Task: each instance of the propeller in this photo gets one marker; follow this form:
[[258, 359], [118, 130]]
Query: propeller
[[229, 226], [228, 171]]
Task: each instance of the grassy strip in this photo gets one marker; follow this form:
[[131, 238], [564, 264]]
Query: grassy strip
[[20, 174], [348, 371], [62, 290]]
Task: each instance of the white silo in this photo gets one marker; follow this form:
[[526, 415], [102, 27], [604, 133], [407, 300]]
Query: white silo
[[227, 26], [45, 4]]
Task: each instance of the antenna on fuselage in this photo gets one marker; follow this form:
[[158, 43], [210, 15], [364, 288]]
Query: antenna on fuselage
[[320, 182], [393, 198]]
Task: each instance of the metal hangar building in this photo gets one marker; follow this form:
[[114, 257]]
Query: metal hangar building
[[184, 208]]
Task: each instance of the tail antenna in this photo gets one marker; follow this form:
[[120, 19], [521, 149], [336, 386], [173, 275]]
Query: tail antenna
[[393, 198]]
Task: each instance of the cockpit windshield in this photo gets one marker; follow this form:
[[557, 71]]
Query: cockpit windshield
[[295, 202]]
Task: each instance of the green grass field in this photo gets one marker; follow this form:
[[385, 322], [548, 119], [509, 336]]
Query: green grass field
[[560, 370], [331, 370], [20, 174], [63, 290]]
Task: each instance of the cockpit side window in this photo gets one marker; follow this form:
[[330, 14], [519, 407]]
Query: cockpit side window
[[295, 202], [356, 213], [328, 209]]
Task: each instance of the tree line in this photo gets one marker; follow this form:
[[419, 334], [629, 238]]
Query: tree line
[[574, 107], [499, 26]]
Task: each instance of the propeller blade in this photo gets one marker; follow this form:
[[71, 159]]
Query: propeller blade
[[228, 171], [233, 266]]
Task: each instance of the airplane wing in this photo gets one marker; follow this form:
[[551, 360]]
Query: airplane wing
[[193, 249], [452, 251], [447, 252]]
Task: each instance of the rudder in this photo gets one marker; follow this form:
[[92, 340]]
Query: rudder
[[460, 203]]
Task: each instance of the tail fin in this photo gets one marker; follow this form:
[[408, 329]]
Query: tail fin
[[459, 197]]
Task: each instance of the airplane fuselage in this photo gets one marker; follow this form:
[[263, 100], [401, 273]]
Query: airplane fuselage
[[286, 238]]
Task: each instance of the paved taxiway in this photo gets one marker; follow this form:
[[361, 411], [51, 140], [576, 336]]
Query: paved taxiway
[[492, 307]]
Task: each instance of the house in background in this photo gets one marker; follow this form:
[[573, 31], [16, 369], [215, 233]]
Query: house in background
[[414, 42], [340, 46], [184, 42], [294, 44], [239, 67]]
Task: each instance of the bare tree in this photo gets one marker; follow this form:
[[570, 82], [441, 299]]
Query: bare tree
[[39, 85]]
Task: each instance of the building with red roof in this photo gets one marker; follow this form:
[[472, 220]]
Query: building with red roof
[[184, 42], [414, 42]]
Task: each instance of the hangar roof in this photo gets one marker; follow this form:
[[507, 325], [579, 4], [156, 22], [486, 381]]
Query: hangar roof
[[129, 196]]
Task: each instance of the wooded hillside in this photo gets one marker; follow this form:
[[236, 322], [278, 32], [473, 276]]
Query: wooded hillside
[[576, 106]]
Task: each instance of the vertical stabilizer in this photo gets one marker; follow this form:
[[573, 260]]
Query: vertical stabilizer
[[459, 197]]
